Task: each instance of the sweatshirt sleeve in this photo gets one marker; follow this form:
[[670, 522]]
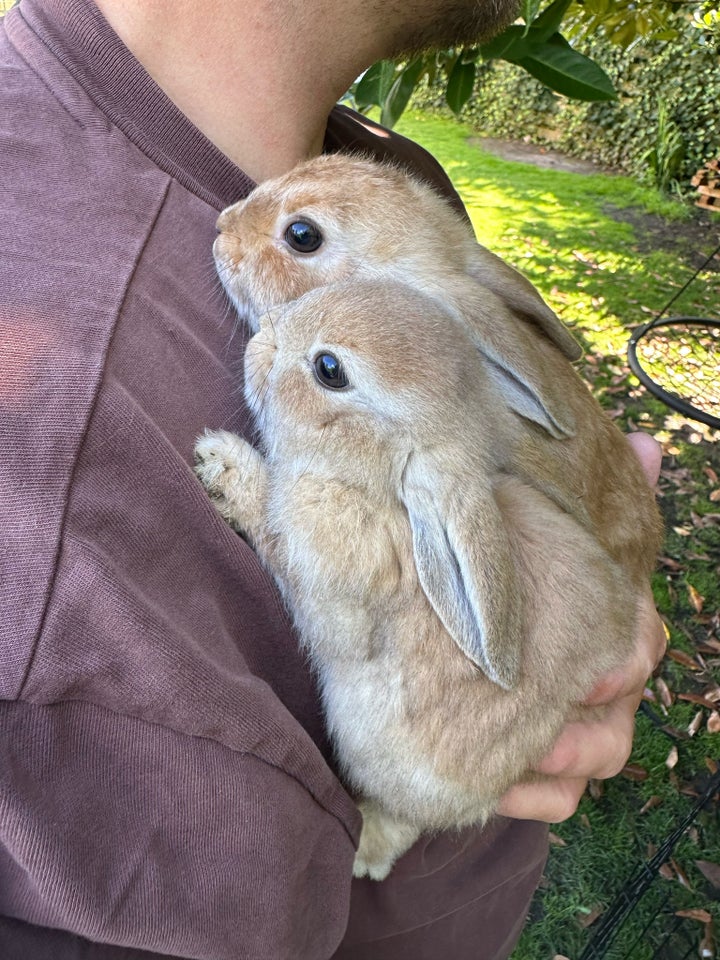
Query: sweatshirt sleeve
[[128, 833]]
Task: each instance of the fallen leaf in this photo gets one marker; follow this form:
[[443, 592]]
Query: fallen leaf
[[715, 496], [695, 914], [713, 723], [695, 723], [672, 758], [711, 475], [699, 700], [654, 801], [680, 873], [555, 840], [696, 599], [706, 950], [673, 732], [596, 789], [666, 872], [710, 870], [633, 771], [587, 917], [679, 656], [663, 691]]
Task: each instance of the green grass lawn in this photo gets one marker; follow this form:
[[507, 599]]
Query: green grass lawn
[[607, 255]]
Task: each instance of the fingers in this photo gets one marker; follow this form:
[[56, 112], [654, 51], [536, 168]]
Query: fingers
[[584, 750], [595, 750], [649, 452], [546, 800]]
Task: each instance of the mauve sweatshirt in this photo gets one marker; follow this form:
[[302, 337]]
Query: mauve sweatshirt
[[165, 783]]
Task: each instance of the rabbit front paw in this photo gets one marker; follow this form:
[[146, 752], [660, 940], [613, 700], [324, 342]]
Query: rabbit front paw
[[232, 473], [382, 841]]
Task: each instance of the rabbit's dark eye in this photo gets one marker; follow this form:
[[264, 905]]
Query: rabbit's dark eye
[[303, 237], [329, 372]]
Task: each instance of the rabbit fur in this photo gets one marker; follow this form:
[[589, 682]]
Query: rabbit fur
[[460, 533]]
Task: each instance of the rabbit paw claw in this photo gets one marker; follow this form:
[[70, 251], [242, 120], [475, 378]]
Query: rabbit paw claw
[[222, 466]]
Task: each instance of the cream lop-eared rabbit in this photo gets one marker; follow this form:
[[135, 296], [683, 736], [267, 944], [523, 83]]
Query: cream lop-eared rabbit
[[458, 530]]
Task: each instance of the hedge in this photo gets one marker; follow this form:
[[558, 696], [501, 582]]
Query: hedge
[[664, 125]]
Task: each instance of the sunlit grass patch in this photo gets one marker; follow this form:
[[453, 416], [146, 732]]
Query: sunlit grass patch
[[557, 227]]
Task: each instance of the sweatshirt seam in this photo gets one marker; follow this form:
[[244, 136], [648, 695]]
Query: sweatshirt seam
[[265, 761], [83, 434]]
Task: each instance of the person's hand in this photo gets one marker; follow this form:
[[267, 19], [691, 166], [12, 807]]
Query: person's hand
[[600, 748]]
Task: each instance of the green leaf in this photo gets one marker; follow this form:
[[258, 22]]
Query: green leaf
[[564, 70], [550, 19], [528, 11], [373, 87], [401, 91], [597, 7], [511, 44], [460, 85]]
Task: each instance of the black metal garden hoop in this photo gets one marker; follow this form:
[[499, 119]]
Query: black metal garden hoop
[[606, 932], [678, 360]]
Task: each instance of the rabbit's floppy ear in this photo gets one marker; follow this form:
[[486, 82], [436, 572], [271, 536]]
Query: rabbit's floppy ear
[[521, 296], [530, 391], [462, 556], [520, 361]]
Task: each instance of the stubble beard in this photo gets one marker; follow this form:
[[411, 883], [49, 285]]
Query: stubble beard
[[452, 24]]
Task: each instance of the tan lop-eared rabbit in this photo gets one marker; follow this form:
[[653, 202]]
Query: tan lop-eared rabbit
[[458, 530]]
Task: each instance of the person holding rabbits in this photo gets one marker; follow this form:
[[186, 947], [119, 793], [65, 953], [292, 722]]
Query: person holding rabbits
[[167, 782]]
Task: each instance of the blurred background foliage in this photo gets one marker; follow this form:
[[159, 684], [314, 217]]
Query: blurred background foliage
[[631, 84]]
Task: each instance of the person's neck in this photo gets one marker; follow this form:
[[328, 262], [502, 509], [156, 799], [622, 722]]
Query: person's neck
[[258, 84]]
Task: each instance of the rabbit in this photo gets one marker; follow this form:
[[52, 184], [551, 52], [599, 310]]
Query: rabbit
[[342, 215], [459, 575]]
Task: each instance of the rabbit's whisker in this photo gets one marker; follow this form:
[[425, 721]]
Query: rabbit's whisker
[[307, 466], [258, 395], [241, 239]]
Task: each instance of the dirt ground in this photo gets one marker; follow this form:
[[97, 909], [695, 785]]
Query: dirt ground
[[523, 152], [694, 239]]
